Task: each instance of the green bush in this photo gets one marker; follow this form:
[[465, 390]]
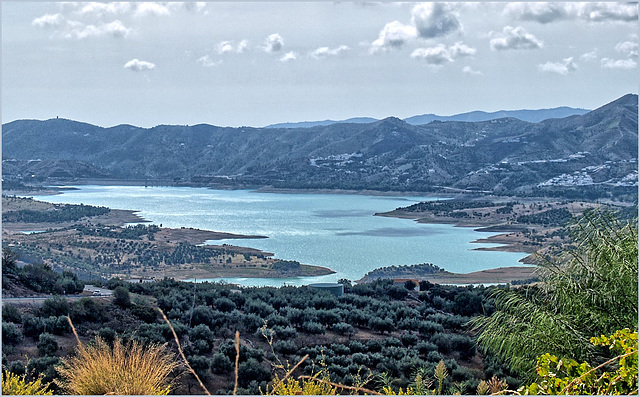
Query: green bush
[[47, 345]]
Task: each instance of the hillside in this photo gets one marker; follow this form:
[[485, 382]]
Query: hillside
[[532, 116], [588, 156]]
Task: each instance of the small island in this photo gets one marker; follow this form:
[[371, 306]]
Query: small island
[[434, 274]]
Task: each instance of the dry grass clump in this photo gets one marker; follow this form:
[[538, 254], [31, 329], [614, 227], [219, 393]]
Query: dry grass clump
[[124, 369]]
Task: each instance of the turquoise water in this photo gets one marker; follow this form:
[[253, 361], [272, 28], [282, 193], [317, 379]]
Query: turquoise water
[[338, 231]]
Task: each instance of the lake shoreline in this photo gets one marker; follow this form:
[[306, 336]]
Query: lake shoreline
[[208, 237]]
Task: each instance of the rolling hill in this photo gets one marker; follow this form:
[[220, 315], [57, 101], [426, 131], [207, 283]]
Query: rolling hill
[[591, 154]]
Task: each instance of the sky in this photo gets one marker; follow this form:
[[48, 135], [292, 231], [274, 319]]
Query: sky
[[258, 63]]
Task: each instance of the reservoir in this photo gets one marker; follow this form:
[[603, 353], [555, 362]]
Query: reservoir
[[338, 231]]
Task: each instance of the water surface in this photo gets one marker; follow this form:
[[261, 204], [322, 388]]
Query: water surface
[[338, 231]]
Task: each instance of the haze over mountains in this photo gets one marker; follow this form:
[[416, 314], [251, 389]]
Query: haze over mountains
[[533, 116], [594, 154]]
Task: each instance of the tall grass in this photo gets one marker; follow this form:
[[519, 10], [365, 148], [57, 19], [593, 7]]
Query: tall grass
[[124, 369]]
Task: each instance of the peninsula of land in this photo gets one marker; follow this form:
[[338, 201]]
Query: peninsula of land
[[95, 243]]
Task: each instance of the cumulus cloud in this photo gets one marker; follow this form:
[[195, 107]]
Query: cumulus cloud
[[441, 54], [434, 19], [324, 52], [588, 11], [49, 21], [113, 29], [628, 48], [230, 47], [462, 50], [539, 12], [273, 43], [516, 39], [101, 9], [144, 9], [136, 65], [137, 9], [289, 56], [206, 61], [471, 71], [565, 67], [589, 56], [394, 35], [605, 11], [608, 63], [436, 56]]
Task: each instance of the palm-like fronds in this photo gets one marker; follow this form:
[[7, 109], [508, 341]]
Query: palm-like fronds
[[589, 290]]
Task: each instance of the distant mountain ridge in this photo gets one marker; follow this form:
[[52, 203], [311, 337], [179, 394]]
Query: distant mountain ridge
[[532, 116], [593, 154]]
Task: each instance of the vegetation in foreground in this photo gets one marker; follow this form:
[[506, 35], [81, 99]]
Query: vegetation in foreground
[[379, 337]]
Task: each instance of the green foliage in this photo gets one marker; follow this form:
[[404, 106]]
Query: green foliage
[[47, 345], [590, 290], [121, 297], [567, 376], [13, 384], [10, 334], [60, 213], [55, 306], [552, 217]]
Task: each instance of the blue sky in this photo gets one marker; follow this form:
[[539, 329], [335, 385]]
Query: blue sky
[[256, 63]]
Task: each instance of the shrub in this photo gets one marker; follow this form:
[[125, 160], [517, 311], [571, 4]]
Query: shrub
[[220, 364], [10, 313], [202, 338], [343, 329], [312, 328], [224, 304], [121, 297], [252, 370], [56, 306], [13, 384], [32, 326], [47, 345], [10, 334], [122, 369]]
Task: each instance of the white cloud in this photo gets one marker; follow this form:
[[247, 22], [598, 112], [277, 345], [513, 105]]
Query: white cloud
[[324, 52], [100, 9], [230, 47], [608, 63], [206, 61], [628, 48], [605, 11], [589, 56], [289, 56], [144, 9], [565, 67], [393, 35], [137, 65], [462, 50], [546, 12], [435, 56], [471, 71], [434, 19], [49, 21], [81, 31], [539, 12], [516, 39], [441, 54], [137, 9], [273, 43]]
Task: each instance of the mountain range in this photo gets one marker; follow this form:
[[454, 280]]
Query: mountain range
[[593, 154], [532, 116]]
